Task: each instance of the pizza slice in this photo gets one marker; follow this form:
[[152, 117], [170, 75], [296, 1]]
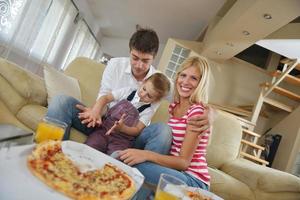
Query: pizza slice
[[54, 168]]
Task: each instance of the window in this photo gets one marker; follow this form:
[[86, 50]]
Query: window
[[179, 54], [34, 33]]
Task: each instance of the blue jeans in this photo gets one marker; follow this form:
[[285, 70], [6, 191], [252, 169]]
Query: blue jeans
[[156, 137]]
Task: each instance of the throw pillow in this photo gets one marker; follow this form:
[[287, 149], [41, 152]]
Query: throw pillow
[[59, 83]]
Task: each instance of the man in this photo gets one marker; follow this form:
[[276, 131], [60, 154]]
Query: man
[[118, 73]]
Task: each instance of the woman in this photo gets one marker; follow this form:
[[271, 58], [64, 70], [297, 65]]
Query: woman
[[188, 151]]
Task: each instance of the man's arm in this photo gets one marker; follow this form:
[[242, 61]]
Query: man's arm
[[107, 80], [87, 116], [92, 117], [201, 123]]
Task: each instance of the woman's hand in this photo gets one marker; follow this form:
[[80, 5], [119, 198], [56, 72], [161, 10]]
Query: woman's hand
[[134, 156], [88, 116]]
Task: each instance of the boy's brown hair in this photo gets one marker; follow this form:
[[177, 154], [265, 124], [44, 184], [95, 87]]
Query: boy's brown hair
[[160, 83]]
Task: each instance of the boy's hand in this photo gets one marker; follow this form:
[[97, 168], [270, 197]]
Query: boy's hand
[[88, 116], [117, 126]]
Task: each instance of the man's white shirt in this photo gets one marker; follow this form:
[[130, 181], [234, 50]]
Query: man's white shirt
[[117, 75]]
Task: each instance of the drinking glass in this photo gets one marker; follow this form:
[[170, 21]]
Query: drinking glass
[[169, 188], [50, 129]]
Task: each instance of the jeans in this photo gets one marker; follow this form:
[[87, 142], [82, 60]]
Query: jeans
[[63, 108], [156, 137]]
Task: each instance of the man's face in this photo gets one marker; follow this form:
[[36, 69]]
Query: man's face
[[140, 63]]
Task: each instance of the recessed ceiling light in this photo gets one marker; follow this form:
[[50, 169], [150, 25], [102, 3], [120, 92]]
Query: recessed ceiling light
[[267, 16], [218, 53], [246, 33], [229, 44]]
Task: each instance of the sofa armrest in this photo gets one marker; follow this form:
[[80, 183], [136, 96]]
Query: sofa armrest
[[261, 177]]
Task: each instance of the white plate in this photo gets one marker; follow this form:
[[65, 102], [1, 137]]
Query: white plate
[[205, 192], [17, 182]]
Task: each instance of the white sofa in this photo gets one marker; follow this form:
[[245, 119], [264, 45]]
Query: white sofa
[[23, 102]]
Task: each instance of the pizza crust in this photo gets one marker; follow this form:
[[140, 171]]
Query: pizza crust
[[48, 163]]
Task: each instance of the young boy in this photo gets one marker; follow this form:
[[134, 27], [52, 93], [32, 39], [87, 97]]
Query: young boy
[[127, 118]]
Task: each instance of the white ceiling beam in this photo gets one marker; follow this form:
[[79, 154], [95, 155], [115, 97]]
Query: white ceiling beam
[[226, 38]]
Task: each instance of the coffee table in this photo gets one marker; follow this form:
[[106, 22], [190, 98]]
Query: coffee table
[[11, 135]]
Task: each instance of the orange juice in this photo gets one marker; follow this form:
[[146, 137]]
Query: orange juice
[[162, 195], [46, 131]]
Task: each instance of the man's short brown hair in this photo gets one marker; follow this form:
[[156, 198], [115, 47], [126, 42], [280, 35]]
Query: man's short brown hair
[[145, 41]]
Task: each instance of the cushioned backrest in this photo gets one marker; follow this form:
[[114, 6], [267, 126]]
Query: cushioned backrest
[[88, 73], [21, 86], [225, 140], [162, 113]]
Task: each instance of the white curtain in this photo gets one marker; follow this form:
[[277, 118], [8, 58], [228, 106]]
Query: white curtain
[[84, 44], [38, 32]]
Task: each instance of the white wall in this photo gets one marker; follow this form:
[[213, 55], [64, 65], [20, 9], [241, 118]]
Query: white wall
[[119, 47], [234, 82], [89, 18]]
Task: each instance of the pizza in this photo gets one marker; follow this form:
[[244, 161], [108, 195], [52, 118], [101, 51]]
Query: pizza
[[196, 196], [48, 162]]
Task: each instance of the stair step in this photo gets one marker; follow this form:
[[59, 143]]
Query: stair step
[[232, 109], [290, 61], [288, 78], [251, 133], [278, 104], [252, 144], [283, 92], [254, 158]]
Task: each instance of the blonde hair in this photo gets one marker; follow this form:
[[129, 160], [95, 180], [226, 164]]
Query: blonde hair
[[201, 92], [160, 83]]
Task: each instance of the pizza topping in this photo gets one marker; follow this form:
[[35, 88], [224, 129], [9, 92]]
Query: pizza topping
[[51, 165]]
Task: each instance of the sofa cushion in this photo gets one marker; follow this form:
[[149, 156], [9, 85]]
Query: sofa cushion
[[27, 84], [162, 113], [59, 83], [228, 187], [31, 115], [77, 136], [12, 99], [89, 81], [259, 177], [225, 140], [7, 117]]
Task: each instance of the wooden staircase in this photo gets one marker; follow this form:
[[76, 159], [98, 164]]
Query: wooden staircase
[[267, 88], [249, 148]]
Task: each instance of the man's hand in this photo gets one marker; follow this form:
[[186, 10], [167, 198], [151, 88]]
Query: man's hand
[[133, 156], [117, 125], [200, 123], [88, 116]]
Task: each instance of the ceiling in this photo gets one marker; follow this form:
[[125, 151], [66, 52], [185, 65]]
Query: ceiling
[[223, 28], [169, 18]]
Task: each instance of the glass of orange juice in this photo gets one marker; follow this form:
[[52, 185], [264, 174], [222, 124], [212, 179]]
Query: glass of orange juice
[[169, 188], [50, 129]]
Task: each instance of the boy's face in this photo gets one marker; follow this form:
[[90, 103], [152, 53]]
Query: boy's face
[[140, 63], [147, 93]]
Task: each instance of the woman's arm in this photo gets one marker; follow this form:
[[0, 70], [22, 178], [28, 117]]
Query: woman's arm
[[181, 162]]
